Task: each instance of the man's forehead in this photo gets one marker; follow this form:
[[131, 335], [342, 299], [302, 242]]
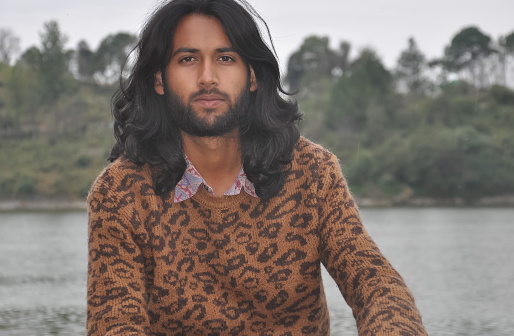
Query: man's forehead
[[198, 32]]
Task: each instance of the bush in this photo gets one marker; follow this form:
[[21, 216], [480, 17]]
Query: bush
[[26, 186], [502, 95], [83, 161]]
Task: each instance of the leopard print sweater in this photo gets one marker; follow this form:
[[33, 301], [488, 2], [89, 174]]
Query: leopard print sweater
[[236, 265]]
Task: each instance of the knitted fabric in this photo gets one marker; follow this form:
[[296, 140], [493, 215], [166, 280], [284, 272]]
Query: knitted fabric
[[235, 265]]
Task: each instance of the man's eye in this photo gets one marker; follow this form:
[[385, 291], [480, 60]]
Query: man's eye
[[186, 59], [226, 59]]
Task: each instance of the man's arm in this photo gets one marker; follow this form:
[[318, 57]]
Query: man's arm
[[381, 302], [116, 295]]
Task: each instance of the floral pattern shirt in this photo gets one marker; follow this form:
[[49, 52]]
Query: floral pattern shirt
[[192, 180]]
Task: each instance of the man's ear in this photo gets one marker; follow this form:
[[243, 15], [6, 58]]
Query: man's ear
[[158, 85], [253, 80]]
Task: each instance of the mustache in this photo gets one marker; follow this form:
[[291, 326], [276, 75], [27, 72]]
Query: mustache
[[207, 92]]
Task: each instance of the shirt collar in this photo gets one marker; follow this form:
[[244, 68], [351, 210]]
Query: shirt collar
[[192, 180]]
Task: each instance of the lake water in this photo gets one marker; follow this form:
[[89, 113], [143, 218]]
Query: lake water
[[457, 262]]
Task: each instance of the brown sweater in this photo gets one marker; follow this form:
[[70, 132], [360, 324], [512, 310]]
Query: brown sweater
[[235, 265]]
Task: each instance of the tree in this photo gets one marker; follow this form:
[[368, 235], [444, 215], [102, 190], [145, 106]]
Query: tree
[[441, 162], [468, 51], [313, 55], [85, 58], [342, 57], [410, 68], [9, 45], [53, 62], [112, 54], [31, 58], [506, 51], [509, 43], [49, 65], [363, 88], [316, 57]]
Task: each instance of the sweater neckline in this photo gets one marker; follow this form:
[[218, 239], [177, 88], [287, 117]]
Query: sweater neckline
[[221, 202]]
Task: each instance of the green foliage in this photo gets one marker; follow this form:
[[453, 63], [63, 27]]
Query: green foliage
[[31, 58], [86, 65], [455, 142], [49, 166], [313, 100], [467, 47], [48, 67], [51, 151], [509, 42], [502, 95], [112, 54], [410, 69], [362, 95], [315, 56], [55, 129], [453, 162], [83, 161], [25, 186], [18, 97], [9, 45], [53, 63], [55, 125], [468, 54]]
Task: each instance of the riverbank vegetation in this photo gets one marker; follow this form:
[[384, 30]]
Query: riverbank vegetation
[[426, 129]]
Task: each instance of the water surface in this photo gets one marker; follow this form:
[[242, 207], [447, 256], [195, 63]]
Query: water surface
[[457, 262]]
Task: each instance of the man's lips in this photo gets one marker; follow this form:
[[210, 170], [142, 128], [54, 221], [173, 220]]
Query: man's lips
[[209, 100]]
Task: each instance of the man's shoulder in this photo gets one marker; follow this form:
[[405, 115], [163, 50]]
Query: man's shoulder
[[122, 174], [307, 152], [313, 164], [122, 167]]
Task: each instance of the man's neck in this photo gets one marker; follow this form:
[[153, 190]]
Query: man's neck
[[217, 159]]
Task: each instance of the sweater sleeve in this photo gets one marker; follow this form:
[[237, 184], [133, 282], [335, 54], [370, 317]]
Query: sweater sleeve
[[380, 300], [116, 295]]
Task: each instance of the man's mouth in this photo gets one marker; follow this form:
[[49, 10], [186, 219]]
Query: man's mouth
[[209, 100]]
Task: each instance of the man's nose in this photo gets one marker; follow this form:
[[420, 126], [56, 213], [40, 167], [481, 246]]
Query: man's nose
[[207, 78]]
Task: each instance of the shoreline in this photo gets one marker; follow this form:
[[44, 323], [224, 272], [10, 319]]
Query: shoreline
[[362, 202], [425, 202], [42, 205]]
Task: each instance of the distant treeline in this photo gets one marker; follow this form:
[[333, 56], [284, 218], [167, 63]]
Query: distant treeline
[[440, 129]]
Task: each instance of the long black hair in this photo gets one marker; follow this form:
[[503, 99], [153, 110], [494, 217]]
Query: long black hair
[[143, 128]]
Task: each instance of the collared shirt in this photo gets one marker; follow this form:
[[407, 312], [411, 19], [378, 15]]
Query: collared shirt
[[192, 180]]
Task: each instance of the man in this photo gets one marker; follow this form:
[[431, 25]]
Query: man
[[214, 216]]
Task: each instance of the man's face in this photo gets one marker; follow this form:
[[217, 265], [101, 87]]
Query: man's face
[[206, 81]]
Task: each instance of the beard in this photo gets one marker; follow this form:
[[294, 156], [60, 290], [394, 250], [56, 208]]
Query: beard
[[187, 119]]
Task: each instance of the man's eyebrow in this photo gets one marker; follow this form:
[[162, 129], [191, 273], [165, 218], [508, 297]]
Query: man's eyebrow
[[194, 51], [225, 49], [186, 50]]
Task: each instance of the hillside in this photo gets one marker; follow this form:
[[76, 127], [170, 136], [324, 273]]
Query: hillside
[[424, 133]]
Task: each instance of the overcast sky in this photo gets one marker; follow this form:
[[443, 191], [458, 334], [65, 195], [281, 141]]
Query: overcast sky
[[384, 25]]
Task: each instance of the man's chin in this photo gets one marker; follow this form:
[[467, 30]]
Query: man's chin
[[208, 113], [208, 132]]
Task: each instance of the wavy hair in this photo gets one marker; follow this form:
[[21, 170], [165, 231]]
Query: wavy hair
[[144, 131]]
